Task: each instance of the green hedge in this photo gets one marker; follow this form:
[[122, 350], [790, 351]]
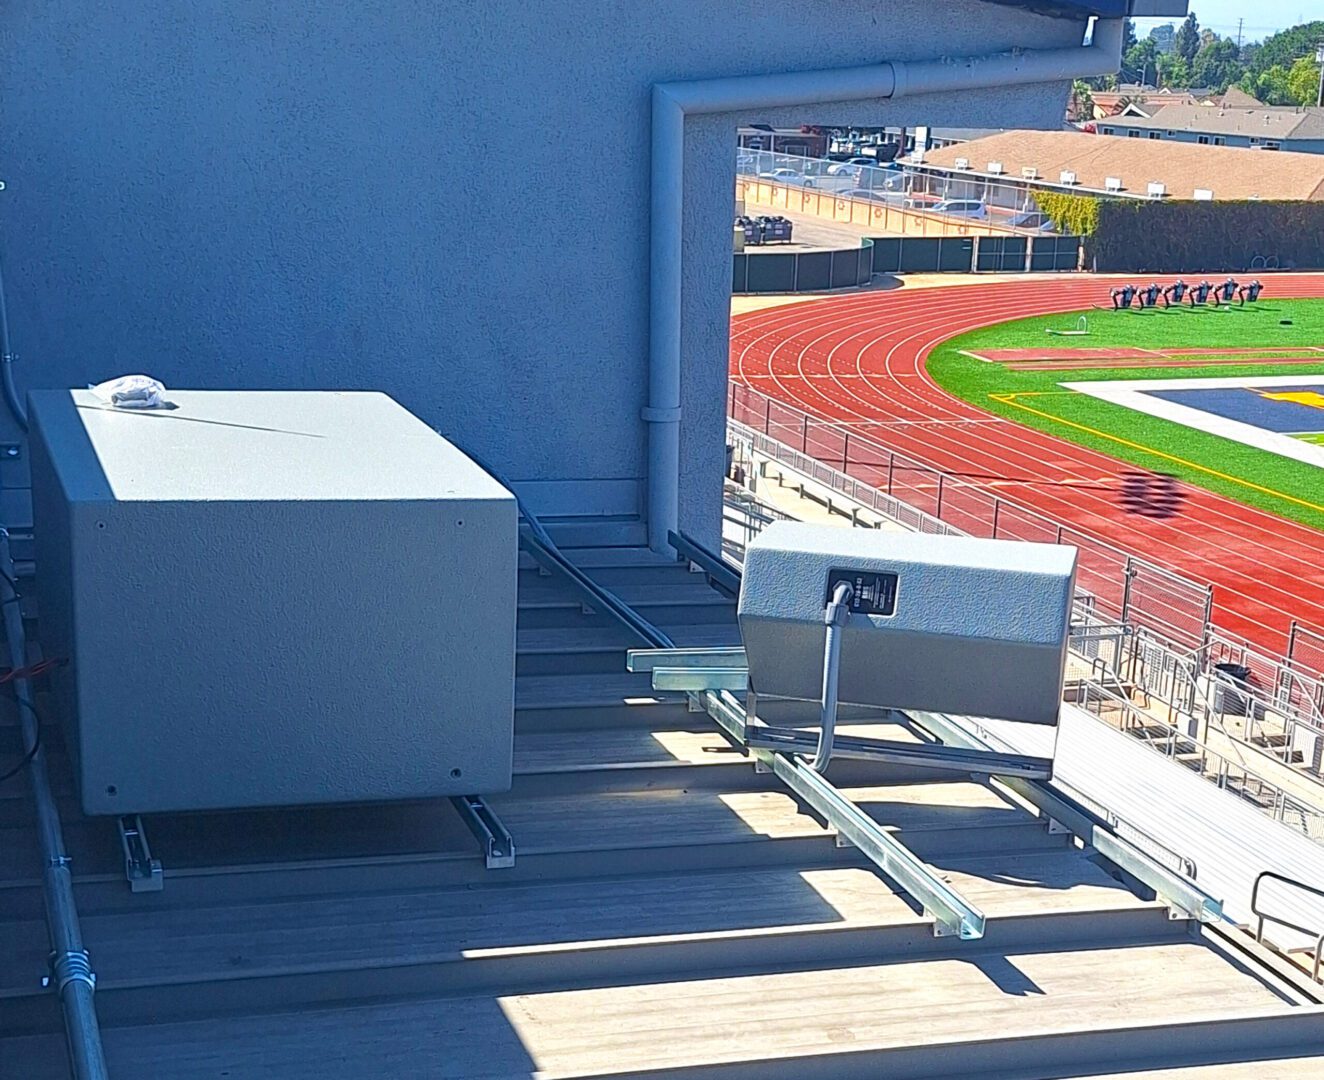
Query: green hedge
[[1153, 236], [1071, 215]]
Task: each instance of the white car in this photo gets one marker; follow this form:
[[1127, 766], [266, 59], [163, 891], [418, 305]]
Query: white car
[[967, 208], [854, 165], [787, 176]]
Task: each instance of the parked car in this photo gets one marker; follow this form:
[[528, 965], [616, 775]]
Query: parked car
[[1033, 219], [845, 168], [892, 198], [787, 176], [966, 208]]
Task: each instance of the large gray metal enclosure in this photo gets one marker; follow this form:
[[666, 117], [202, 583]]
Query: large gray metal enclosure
[[942, 623], [272, 598]]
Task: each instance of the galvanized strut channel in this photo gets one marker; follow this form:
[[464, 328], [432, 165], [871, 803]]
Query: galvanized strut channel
[[71, 975]]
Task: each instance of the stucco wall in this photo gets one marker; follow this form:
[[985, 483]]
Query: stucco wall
[[443, 200]]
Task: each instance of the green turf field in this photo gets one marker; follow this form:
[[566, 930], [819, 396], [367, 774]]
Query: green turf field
[[1256, 326], [1035, 398]]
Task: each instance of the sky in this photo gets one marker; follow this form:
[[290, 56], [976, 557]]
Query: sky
[[1262, 18]]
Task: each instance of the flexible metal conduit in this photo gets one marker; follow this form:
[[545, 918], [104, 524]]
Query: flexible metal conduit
[[71, 973], [673, 102], [834, 618]]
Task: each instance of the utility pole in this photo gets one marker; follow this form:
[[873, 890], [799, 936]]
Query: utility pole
[[1240, 23], [1319, 59]]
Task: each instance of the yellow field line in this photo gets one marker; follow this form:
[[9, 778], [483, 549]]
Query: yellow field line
[[1007, 399]]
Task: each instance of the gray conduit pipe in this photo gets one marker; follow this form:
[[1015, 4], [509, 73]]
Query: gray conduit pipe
[[673, 102], [71, 973], [834, 618]]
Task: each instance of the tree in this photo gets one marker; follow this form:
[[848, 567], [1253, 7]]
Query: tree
[[1174, 71], [1270, 87], [1141, 60], [1128, 34], [1082, 101], [1187, 41], [1217, 65], [1303, 82], [1283, 49]]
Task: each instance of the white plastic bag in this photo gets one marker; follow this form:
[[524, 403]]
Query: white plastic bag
[[132, 392]]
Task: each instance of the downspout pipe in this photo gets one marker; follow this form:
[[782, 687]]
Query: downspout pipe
[[673, 102], [71, 973]]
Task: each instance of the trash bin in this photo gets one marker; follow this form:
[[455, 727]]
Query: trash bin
[[1227, 700]]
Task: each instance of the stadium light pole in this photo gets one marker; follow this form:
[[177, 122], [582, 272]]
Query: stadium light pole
[[1319, 59]]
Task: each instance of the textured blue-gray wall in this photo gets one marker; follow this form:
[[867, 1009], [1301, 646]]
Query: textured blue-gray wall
[[444, 200]]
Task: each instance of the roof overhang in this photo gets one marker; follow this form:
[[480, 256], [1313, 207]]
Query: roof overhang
[[1108, 9]]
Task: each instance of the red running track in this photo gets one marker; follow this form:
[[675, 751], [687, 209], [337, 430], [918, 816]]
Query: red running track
[[860, 360]]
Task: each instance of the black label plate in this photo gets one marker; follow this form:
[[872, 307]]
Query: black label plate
[[873, 593]]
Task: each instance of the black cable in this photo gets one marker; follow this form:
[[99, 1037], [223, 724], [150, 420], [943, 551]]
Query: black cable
[[26, 760], [7, 387]]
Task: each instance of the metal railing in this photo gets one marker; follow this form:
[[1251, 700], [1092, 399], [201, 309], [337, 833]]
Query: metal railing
[[1262, 916], [1126, 586], [922, 498], [1305, 650], [905, 195], [1186, 748]]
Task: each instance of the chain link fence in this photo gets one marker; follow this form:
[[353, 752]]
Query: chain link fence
[[903, 198]]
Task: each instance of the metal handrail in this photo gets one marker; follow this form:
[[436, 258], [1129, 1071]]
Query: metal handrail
[[780, 451], [1192, 668], [1264, 916], [714, 567]]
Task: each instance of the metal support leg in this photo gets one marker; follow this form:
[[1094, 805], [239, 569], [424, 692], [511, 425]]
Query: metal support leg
[[140, 869], [497, 844]]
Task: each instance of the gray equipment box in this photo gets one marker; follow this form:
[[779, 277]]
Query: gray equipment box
[[272, 599], [940, 623]]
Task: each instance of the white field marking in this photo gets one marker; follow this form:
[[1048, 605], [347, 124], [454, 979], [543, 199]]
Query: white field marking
[[920, 423], [1134, 394]]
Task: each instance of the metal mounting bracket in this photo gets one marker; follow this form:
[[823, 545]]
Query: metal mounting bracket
[[142, 872], [492, 836], [956, 759], [706, 671]]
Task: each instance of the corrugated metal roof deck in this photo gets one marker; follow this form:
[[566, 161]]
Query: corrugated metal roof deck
[[672, 912]]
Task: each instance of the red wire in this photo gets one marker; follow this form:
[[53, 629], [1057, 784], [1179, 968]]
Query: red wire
[[31, 671]]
